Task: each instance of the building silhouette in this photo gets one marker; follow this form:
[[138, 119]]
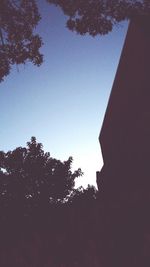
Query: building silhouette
[[125, 133]]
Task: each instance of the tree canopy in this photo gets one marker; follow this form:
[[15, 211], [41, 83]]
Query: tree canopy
[[18, 43], [19, 18], [30, 178], [99, 16]]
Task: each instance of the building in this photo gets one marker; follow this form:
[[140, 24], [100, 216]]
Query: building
[[125, 133]]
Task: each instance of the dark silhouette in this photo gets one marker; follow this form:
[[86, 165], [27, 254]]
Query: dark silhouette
[[84, 229], [99, 16], [43, 221], [124, 180], [125, 132], [30, 177], [18, 43]]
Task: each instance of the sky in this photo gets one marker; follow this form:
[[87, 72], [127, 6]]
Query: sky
[[62, 103]]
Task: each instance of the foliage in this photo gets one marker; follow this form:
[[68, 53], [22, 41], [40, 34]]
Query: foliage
[[99, 16], [18, 43], [63, 237], [30, 178], [82, 195]]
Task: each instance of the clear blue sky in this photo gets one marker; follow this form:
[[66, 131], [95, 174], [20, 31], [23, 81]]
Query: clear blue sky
[[62, 102]]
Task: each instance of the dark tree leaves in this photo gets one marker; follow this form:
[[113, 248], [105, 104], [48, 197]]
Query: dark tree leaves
[[30, 178], [18, 43], [99, 16]]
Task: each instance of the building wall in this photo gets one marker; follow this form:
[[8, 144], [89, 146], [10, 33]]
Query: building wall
[[125, 133]]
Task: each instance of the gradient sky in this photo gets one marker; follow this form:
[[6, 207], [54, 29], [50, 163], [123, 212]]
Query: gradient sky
[[63, 101]]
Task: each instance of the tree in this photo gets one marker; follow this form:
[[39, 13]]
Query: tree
[[99, 16], [30, 178], [82, 195], [18, 43], [19, 18]]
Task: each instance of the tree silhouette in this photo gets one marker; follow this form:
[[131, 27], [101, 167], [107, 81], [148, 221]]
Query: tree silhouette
[[18, 43], [30, 178], [66, 236], [44, 220], [99, 16]]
